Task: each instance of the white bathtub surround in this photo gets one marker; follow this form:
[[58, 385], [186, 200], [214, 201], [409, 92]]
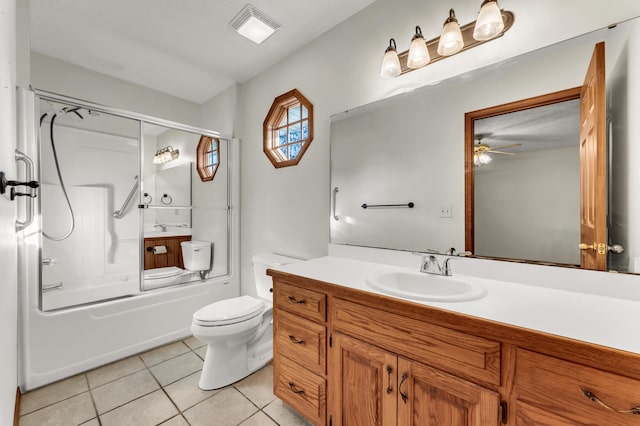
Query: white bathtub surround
[[567, 303]]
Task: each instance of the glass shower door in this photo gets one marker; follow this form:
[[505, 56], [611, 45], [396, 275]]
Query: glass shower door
[[89, 166]]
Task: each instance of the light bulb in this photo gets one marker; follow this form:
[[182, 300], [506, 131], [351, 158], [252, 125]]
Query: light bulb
[[418, 52], [485, 158], [489, 23], [451, 39], [390, 63]]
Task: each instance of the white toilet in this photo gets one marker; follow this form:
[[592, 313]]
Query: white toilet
[[196, 256], [238, 331]]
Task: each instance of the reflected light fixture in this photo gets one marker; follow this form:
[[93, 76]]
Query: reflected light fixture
[[165, 155], [418, 52], [390, 63], [481, 158], [489, 23], [254, 24], [451, 39]]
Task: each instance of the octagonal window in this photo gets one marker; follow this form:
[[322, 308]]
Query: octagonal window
[[207, 157], [288, 129]]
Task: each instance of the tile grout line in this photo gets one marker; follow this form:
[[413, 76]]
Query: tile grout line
[[93, 401]]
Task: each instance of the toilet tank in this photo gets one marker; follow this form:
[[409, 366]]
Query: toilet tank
[[196, 255], [262, 262]]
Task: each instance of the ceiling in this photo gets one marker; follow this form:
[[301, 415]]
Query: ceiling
[[183, 48], [549, 126]]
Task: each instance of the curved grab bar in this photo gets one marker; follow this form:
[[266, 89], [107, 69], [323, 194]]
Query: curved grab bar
[[119, 213], [334, 197], [28, 163]]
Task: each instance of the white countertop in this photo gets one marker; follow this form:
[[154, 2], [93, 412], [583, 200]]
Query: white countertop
[[598, 319]]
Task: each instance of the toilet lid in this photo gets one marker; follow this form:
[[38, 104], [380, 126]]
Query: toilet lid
[[229, 311], [170, 271]]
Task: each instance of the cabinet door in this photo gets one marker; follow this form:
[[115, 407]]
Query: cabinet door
[[362, 380], [427, 396]]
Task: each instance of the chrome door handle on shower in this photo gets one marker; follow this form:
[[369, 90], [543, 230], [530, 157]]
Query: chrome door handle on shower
[[28, 163], [333, 201]]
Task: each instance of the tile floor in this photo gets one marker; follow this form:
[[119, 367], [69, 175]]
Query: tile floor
[[159, 387]]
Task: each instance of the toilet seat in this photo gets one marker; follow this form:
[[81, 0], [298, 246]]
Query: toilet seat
[[229, 311], [156, 273]]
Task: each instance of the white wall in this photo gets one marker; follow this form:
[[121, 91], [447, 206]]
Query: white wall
[[61, 77], [527, 206], [287, 210], [8, 251]]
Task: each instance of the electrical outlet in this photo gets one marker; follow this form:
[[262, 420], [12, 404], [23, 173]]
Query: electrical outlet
[[445, 211]]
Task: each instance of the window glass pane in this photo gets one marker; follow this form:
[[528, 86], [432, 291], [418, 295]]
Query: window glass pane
[[294, 150], [214, 158], [214, 145], [294, 113], [283, 122], [209, 160], [294, 133], [283, 151], [305, 112], [305, 129], [282, 136]]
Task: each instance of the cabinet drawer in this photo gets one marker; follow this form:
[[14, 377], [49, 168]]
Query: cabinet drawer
[[301, 341], [307, 303], [557, 386], [301, 389], [469, 356]]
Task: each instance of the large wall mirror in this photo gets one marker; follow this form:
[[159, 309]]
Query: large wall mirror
[[411, 149]]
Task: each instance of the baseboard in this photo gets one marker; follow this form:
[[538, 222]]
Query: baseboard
[[16, 412]]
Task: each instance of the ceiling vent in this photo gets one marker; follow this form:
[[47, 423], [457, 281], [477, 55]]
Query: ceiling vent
[[254, 24]]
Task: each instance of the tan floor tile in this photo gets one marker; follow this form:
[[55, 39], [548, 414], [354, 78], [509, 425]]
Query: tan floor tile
[[52, 393], [175, 421], [185, 393], [201, 351], [149, 410], [258, 387], [109, 396], [193, 343], [229, 406], [114, 371], [72, 411], [259, 419], [176, 368], [284, 415], [164, 353], [92, 422]]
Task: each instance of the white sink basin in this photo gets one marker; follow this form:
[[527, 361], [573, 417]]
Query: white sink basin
[[422, 286]]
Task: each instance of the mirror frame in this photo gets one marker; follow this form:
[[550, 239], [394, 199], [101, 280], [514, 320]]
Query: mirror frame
[[469, 167]]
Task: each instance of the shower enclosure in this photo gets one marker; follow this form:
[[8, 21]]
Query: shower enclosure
[[106, 215]]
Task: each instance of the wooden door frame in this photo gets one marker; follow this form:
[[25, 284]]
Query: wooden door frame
[[469, 142]]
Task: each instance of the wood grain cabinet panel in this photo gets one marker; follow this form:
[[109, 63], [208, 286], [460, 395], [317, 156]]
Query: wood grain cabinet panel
[[306, 303], [430, 397], [301, 389], [470, 356], [301, 340], [556, 386], [173, 256]]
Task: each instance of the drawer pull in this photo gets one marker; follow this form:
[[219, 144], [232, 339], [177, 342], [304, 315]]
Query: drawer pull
[[296, 341], [389, 388], [298, 302], [594, 398], [402, 394], [295, 390]]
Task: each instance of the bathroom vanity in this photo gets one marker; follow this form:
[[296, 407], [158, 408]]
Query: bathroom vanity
[[345, 354]]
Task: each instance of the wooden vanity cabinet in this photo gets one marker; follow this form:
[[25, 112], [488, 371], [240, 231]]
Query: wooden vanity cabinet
[[173, 256], [372, 360]]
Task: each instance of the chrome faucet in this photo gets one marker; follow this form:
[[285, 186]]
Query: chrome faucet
[[162, 227], [430, 265]]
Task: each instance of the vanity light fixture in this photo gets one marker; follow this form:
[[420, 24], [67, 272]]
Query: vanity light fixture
[[450, 41], [254, 24], [165, 155], [418, 52], [492, 23], [390, 63]]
